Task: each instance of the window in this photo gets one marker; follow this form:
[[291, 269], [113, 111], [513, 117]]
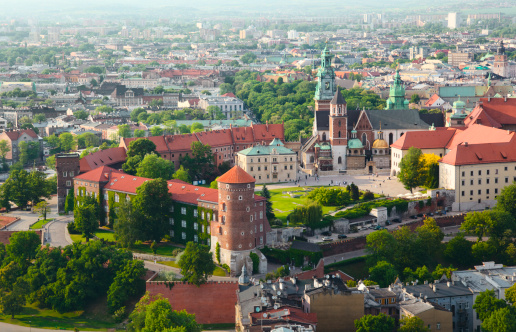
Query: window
[[506, 180], [183, 235], [171, 221], [227, 197], [240, 197], [183, 210], [78, 192], [196, 238], [251, 218], [471, 182], [261, 239], [496, 180], [261, 227], [172, 233], [479, 172], [106, 197], [71, 174], [252, 169], [261, 214], [208, 216], [172, 208], [291, 166], [496, 190], [438, 326], [195, 226], [64, 174], [487, 191], [479, 181], [264, 168], [505, 168], [487, 172], [471, 192], [195, 213], [202, 228], [285, 167], [259, 168], [68, 183], [463, 193], [463, 173], [463, 182], [117, 198], [223, 219], [487, 181], [471, 173], [202, 214], [466, 305], [183, 223]]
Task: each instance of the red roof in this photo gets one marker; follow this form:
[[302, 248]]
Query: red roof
[[100, 174], [432, 100], [243, 135], [215, 138], [478, 134], [100, 158], [236, 175], [178, 143], [430, 139], [486, 153], [501, 110], [229, 94], [268, 131], [15, 135]]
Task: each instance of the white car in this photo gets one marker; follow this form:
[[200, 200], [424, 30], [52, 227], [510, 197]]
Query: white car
[[327, 238]]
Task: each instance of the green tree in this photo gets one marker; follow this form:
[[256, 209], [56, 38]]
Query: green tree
[[136, 152], [269, 211], [155, 167], [127, 283], [51, 162], [139, 133], [42, 208], [415, 98], [380, 245], [501, 320], [38, 118], [70, 201], [22, 187], [411, 169], [154, 201], [94, 69], [66, 142], [29, 151], [506, 201], [458, 251], [124, 131], [486, 303], [510, 294], [375, 323], [248, 58], [129, 226], [196, 127], [4, 149], [12, 302], [156, 131], [181, 174], [86, 219], [200, 164], [309, 215], [412, 324], [23, 247], [383, 273], [196, 263], [136, 112]]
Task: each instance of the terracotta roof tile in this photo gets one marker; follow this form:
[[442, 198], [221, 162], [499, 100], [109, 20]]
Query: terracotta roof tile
[[100, 174], [478, 134], [103, 158], [15, 135], [486, 153], [236, 175], [215, 138], [431, 139]]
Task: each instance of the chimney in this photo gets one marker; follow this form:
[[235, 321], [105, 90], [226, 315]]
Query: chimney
[[448, 283], [434, 288], [465, 143]]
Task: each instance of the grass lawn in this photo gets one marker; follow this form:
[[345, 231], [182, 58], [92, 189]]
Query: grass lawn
[[40, 223], [355, 267], [283, 204], [50, 319], [218, 272], [100, 233], [162, 249]]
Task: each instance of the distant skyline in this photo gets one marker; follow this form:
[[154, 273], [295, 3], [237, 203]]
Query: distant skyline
[[66, 10]]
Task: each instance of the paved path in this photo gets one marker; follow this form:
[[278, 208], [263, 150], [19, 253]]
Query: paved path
[[4, 327], [56, 232], [344, 256], [160, 267]]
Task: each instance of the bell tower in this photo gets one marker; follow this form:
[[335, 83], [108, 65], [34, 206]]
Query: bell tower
[[338, 130], [500, 65], [326, 86]]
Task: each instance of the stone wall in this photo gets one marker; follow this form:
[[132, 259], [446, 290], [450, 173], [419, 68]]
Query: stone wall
[[212, 303], [347, 245]]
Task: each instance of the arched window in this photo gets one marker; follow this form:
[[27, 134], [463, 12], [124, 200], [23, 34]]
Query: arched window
[[391, 139], [324, 136], [364, 139], [339, 133], [311, 159], [339, 125], [339, 160]]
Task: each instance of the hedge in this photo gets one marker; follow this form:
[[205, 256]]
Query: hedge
[[287, 256]]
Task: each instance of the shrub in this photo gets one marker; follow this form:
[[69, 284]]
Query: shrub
[[71, 228], [368, 196], [119, 315], [217, 252], [256, 262], [330, 196], [226, 267]]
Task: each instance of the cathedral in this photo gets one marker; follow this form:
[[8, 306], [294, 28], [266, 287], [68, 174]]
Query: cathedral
[[356, 141]]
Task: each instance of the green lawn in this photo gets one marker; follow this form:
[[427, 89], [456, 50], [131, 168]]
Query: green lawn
[[100, 233], [40, 223], [50, 319], [283, 204], [218, 272], [163, 249]]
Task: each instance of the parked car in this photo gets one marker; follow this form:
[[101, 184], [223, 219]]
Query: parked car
[[387, 222], [379, 227], [396, 220], [419, 215], [342, 236], [326, 238], [413, 217]]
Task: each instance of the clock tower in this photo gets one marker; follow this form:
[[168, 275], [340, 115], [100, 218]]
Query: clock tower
[[326, 86]]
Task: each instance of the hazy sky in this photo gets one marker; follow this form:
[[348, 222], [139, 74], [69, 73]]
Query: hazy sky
[[171, 8]]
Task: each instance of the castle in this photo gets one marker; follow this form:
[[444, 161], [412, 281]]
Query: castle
[[231, 216], [356, 141]]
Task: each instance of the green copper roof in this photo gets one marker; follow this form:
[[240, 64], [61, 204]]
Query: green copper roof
[[276, 142], [355, 143], [264, 150], [459, 104]]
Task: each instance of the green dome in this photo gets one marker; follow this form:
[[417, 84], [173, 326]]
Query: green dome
[[355, 143], [406, 102], [459, 104]]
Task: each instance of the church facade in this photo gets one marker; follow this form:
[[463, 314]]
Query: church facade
[[346, 140]]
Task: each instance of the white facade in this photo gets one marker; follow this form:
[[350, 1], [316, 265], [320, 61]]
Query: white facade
[[227, 105]]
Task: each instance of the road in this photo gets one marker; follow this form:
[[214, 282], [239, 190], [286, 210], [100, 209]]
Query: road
[[4, 327]]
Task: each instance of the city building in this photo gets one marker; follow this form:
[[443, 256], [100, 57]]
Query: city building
[[228, 105], [15, 137], [453, 20], [456, 58], [269, 163], [434, 316]]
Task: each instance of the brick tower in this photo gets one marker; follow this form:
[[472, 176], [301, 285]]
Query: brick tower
[[500, 65], [242, 225], [67, 166], [338, 130]]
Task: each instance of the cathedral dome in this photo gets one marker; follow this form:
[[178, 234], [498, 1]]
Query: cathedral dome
[[380, 144], [355, 143]]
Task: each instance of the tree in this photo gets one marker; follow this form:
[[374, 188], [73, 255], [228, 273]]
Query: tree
[[375, 323], [29, 151], [136, 112], [415, 98], [458, 251], [86, 219], [124, 131], [412, 324], [380, 245], [38, 118], [51, 162], [12, 302], [486, 303], [181, 174], [127, 283], [196, 127], [501, 320], [431, 170], [129, 226], [136, 152], [510, 294], [42, 208], [506, 201], [196, 263], [156, 131], [155, 167], [4, 149], [200, 164], [248, 57], [70, 201], [22, 187], [66, 142], [383, 273], [412, 169], [153, 201], [309, 215], [23, 247], [139, 133], [269, 211], [429, 235], [103, 109]]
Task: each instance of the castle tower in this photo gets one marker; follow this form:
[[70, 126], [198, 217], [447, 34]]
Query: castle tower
[[338, 130], [242, 224], [67, 166], [500, 65], [326, 86], [396, 100]]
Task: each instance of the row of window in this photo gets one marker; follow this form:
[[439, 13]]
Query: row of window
[[463, 193], [471, 173], [65, 174], [274, 168], [479, 181], [183, 236], [274, 159], [195, 225]]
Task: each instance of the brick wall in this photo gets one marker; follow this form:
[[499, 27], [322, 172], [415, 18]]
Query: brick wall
[[212, 303], [343, 246]]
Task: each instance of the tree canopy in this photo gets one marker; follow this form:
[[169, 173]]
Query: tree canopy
[[412, 169], [196, 263]]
